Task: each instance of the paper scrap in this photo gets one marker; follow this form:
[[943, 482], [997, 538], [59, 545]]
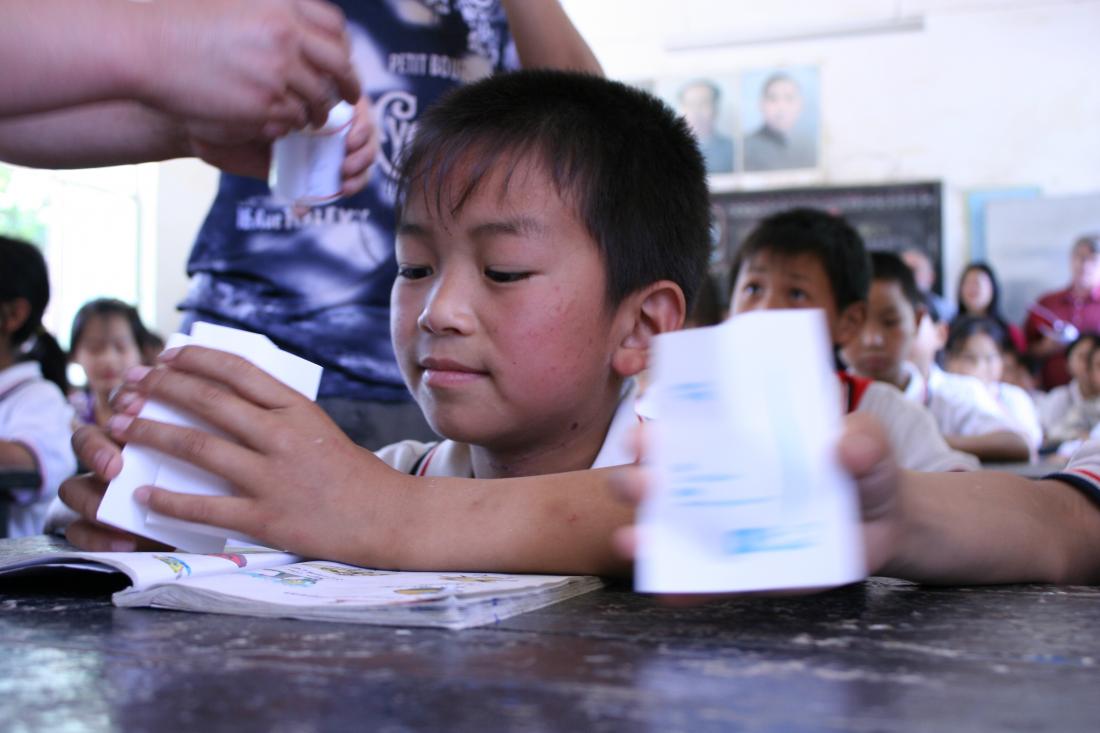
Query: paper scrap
[[748, 492]]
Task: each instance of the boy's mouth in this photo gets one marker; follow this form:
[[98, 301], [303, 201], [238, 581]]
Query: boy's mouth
[[449, 373]]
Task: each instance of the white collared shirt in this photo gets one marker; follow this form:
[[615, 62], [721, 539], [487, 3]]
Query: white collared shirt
[[33, 412]]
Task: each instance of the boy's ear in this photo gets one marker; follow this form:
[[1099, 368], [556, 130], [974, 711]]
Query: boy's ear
[[850, 322], [13, 314], [655, 309]]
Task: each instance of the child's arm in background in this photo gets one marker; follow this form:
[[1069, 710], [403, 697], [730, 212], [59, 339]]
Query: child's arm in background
[[1000, 445], [14, 456], [304, 487]]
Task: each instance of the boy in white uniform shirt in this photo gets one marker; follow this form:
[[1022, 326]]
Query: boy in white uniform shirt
[[966, 414], [806, 258]]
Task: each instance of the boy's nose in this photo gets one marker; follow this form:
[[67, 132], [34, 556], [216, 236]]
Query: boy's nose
[[871, 336], [448, 309]]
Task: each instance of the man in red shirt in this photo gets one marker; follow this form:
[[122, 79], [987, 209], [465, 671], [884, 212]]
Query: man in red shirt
[[1057, 318]]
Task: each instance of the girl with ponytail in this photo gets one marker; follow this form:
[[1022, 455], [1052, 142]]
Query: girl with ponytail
[[35, 418]]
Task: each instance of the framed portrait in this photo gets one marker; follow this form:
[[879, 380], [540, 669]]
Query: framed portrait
[[708, 105], [780, 116]]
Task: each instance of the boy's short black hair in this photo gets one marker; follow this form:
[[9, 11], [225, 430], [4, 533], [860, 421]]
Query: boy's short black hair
[[1088, 339], [888, 267], [624, 160], [831, 239]]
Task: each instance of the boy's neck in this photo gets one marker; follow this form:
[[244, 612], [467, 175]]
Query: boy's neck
[[7, 357], [573, 450]]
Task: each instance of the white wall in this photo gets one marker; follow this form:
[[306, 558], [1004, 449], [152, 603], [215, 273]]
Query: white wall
[[990, 93]]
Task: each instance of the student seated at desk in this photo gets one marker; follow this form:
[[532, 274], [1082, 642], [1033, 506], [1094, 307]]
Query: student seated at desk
[[35, 420], [552, 224], [106, 341], [1069, 412], [974, 349], [966, 414], [805, 258]]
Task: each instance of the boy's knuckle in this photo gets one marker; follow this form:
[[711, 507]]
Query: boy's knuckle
[[191, 444]]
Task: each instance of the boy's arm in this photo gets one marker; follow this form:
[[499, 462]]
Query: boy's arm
[[1000, 445], [989, 527], [546, 38], [303, 486]]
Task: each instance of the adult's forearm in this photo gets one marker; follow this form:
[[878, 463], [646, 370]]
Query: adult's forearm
[[109, 133], [540, 524], [546, 38], [986, 527], [59, 53]]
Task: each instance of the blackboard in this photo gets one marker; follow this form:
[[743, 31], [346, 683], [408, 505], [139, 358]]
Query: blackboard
[[891, 217]]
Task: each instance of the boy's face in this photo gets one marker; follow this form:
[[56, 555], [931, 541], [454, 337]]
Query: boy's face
[[771, 282], [1094, 370], [1078, 362], [499, 314], [884, 341]]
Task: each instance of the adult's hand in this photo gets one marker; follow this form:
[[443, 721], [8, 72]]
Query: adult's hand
[[264, 65]]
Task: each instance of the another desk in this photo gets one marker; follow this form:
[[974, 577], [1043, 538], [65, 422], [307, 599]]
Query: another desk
[[878, 656]]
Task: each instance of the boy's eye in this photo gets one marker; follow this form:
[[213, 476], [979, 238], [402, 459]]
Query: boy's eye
[[413, 272], [799, 295], [499, 276], [751, 288]]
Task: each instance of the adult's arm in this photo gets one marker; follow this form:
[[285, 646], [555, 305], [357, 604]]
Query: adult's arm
[[92, 135], [249, 62], [546, 38]]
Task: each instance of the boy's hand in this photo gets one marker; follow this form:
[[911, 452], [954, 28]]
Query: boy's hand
[[84, 493], [864, 451], [300, 484]]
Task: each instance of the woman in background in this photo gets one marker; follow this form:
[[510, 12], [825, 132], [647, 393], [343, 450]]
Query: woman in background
[[979, 295]]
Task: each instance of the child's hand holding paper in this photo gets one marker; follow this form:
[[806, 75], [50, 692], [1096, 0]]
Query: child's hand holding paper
[[748, 494]]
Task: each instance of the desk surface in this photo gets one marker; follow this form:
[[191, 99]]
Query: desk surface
[[878, 656]]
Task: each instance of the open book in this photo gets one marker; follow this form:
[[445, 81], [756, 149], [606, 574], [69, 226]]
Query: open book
[[256, 582]]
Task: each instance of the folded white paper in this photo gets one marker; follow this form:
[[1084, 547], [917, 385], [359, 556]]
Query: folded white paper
[[143, 466], [748, 493]]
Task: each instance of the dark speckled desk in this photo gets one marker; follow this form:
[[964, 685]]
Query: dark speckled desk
[[879, 656]]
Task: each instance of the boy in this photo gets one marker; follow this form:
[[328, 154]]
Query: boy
[[965, 413], [809, 259], [551, 225]]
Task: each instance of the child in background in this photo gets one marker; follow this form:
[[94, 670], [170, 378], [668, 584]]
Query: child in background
[[1055, 404], [1083, 415], [106, 340], [539, 251], [974, 349], [805, 258], [152, 344], [967, 416], [35, 420]]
